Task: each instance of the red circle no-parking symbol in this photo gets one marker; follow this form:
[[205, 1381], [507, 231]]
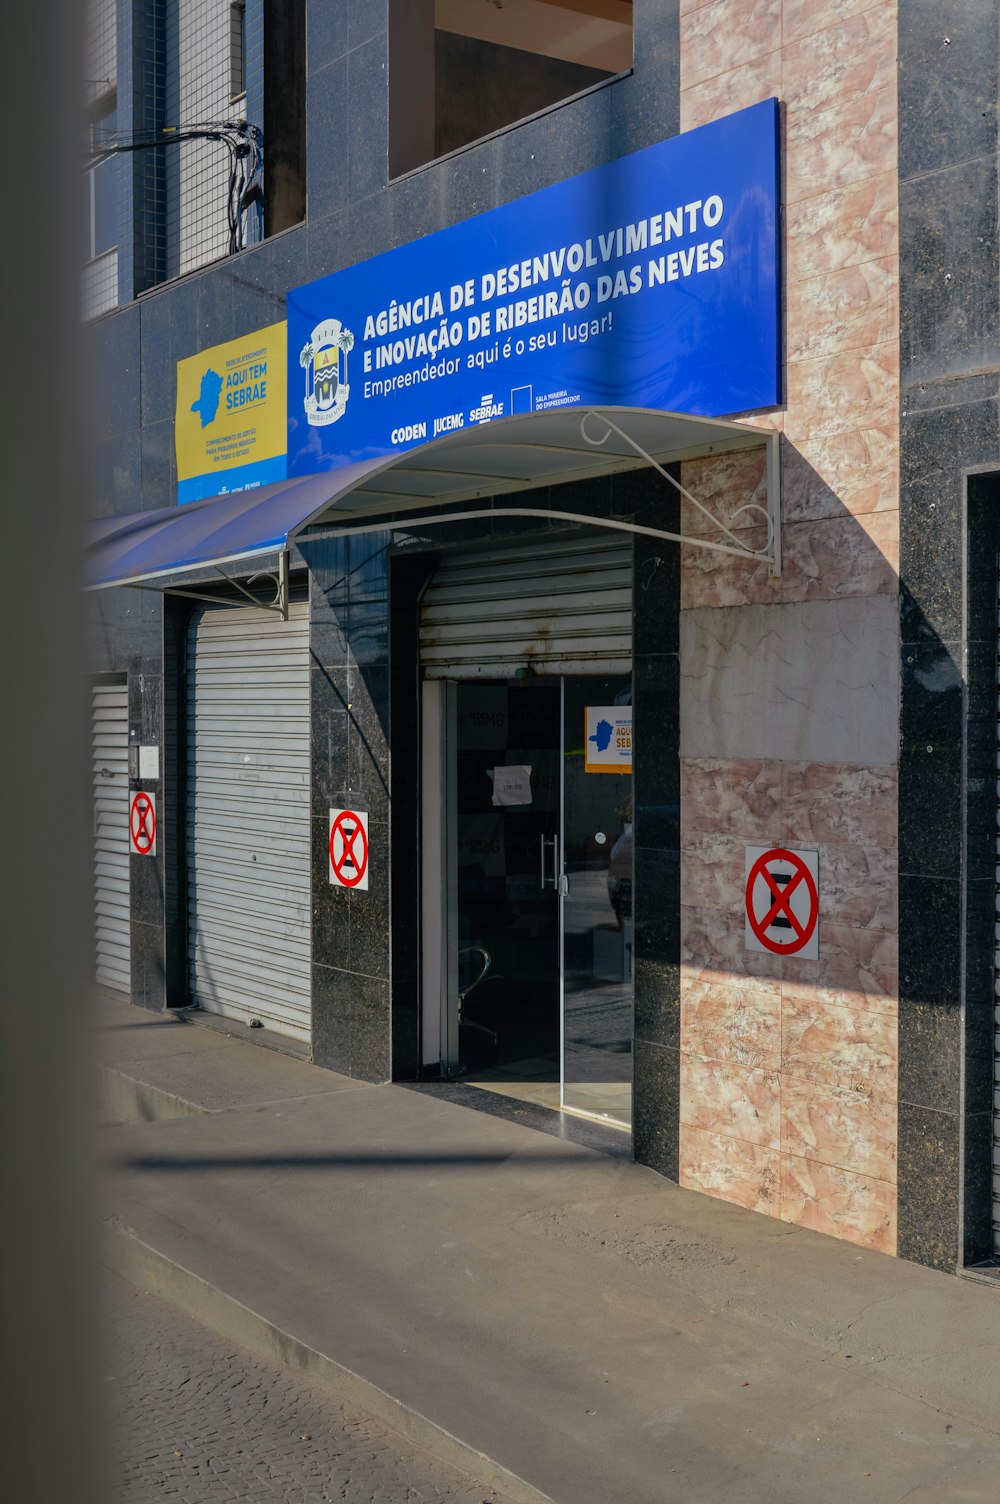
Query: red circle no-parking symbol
[[349, 848], [142, 824], [782, 902]]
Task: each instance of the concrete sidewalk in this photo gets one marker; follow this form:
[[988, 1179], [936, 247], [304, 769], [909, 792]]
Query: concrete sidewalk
[[603, 1336]]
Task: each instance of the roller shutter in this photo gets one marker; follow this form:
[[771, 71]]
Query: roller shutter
[[111, 846], [248, 808], [996, 1014], [561, 608]]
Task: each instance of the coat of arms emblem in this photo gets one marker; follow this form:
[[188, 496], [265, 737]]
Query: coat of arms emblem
[[324, 360]]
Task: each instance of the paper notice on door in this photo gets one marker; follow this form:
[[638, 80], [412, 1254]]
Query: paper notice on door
[[512, 785]]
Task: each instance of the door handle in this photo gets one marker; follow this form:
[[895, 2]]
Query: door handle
[[546, 881]]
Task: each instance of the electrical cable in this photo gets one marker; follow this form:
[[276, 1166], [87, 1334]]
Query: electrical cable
[[243, 143]]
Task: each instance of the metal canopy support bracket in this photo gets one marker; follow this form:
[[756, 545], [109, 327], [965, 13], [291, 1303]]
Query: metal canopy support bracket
[[771, 514], [279, 604]]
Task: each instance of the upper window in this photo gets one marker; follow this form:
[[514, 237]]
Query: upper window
[[237, 49], [466, 68], [102, 184]]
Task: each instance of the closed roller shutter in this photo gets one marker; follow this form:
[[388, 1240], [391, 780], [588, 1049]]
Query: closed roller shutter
[[562, 608], [111, 845], [248, 806], [996, 1006]]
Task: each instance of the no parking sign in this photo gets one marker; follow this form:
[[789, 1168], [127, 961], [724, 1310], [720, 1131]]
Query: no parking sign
[[349, 848], [782, 901], [142, 824]]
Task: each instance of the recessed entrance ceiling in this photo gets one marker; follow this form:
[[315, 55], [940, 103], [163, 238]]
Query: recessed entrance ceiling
[[594, 33]]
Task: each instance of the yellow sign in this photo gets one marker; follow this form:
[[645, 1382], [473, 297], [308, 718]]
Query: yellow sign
[[230, 428]]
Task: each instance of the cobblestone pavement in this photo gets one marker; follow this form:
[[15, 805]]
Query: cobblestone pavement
[[196, 1420]]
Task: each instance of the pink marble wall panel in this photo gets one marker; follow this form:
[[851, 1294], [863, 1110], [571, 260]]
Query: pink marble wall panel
[[843, 63], [836, 803], [835, 393], [856, 472], [848, 1129], [735, 90], [848, 309], [846, 1047], [723, 484], [857, 969], [834, 229], [837, 557], [845, 144], [712, 872], [813, 1040], [712, 952], [737, 1024], [801, 18], [736, 1100], [839, 1202], [712, 44], [734, 798], [732, 1169]]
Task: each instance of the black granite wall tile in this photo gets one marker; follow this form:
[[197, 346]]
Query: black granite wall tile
[[930, 819], [657, 905], [331, 925], [656, 1107], [556, 145], [157, 384], [646, 106], [657, 1002], [369, 911], [931, 708], [365, 19], [329, 720], [468, 182], [116, 475], [146, 898], [183, 299], [215, 307], [112, 393], [930, 924], [956, 392], [351, 1024], [364, 125], [978, 1037], [656, 766], [416, 206], [949, 269], [148, 964], [326, 33], [977, 1187], [929, 1175], [325, 125], [159, 465], [369, 227], [948, 84], [980, 935], [930, 1065]]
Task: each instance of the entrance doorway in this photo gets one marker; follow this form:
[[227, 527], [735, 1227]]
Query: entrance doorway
[[528, 963]]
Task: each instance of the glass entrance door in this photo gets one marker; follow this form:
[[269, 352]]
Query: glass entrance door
[[596, 922], [540, 930]]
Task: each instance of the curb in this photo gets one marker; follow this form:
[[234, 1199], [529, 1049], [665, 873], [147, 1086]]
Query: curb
[[125, 1099], [140, 1264]]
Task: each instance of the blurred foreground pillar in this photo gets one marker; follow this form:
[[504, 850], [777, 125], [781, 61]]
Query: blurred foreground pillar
[[52, 1441]]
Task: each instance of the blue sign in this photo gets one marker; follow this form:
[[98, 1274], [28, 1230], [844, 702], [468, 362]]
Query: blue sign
[[650, 282]]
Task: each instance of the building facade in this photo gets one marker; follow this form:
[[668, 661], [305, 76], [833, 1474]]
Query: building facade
[[510, 918]]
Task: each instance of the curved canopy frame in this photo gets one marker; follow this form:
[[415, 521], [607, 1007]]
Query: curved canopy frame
[[406, 490]]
